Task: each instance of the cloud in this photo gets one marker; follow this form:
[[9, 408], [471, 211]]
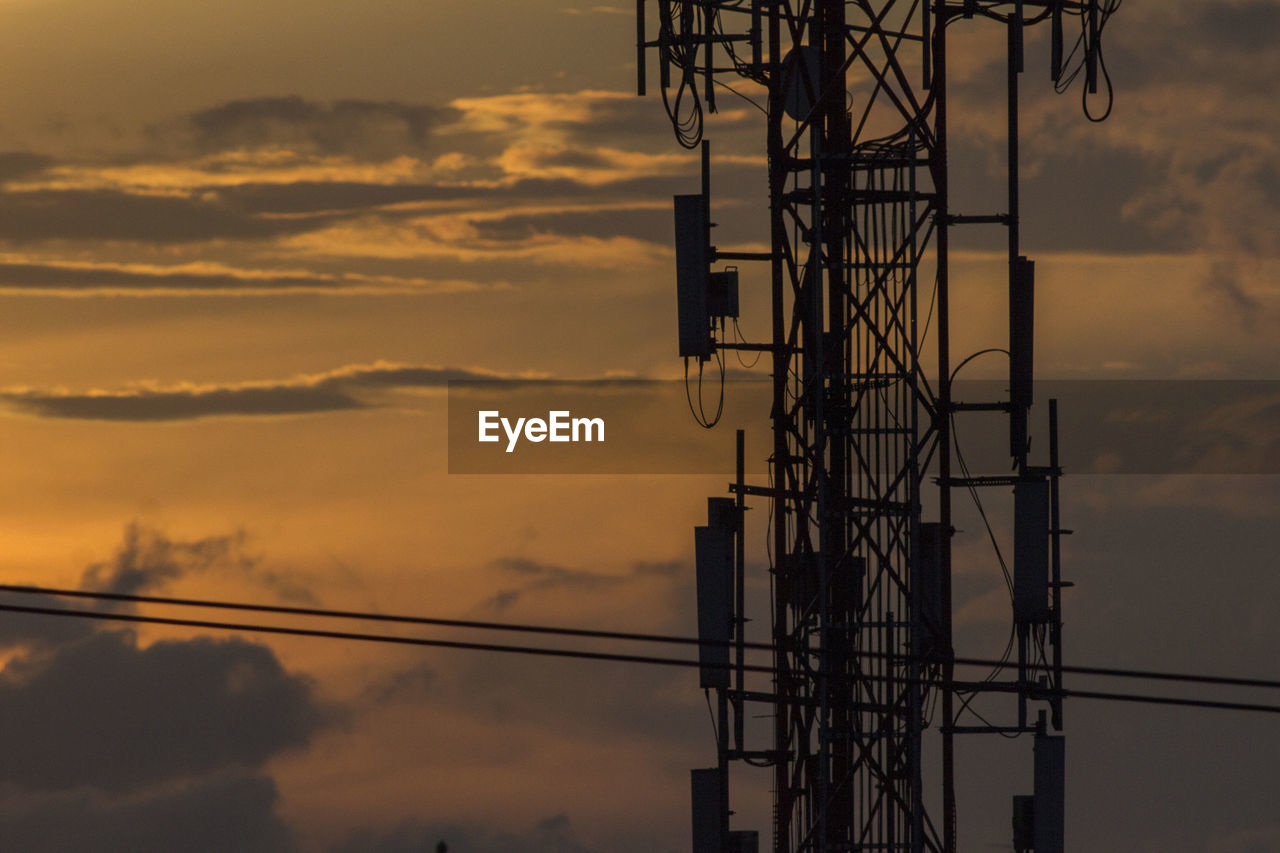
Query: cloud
[[593, 165], [553, 834], [110, 215], [1204, 121], [62, 276], [1253, 25], [578, 181], [1184, 164], [523, 111], [106, 713], [1183, 586], [361, 128], [309, 197], [22, 164], [41, 632], [1264, 839], [313, 197], [50, 275], [459, 238], [590, 116], [334, 391], [1235, 41], [597, 10], [651, 222], [406, 685], [117, 747], [556, 220], [145, 561], [148, 559], [542, 577], [225, 811], [1073, 200], [162, 405]]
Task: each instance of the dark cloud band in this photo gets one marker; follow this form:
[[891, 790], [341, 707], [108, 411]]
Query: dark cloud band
[[338, 390]]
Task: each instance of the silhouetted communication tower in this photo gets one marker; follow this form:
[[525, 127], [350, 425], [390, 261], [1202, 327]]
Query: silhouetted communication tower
[[862, 417]]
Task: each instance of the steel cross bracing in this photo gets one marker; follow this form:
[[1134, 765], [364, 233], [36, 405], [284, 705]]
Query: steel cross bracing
[[848, 436], [859, 221]]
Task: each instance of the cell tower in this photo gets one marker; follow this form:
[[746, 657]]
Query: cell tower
[[859, 217]]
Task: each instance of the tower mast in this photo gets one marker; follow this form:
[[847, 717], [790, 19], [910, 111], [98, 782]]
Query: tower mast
[[861, 474]]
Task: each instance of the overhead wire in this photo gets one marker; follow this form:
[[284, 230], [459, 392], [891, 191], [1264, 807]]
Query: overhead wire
[[285, 630], [363, 616], [26, 589], [581, 654]]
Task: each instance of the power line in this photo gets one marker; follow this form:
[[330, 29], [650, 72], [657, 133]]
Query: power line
[[1146, 698], [25, 589], [1168, 700], [579, 654], [552, 630], [370, 638]]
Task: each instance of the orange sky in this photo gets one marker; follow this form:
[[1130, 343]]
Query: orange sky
[[240, 243]]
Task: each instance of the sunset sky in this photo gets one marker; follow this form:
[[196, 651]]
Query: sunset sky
[[243, 247]]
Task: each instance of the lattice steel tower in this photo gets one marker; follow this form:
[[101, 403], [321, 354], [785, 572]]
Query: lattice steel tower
[[859, 223]]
